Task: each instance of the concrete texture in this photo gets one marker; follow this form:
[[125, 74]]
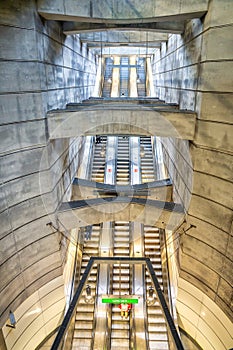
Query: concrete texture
[[44, 70], [92, 211], [83, 189], [118, 37], [121, 10], [41, 69], [201, 80], [136, 120], [175, 27]]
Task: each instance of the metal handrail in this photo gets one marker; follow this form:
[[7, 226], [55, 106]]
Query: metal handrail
[[101, 260], [72, 308]]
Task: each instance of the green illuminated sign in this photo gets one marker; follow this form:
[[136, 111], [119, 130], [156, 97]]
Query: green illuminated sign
[[119, 301]]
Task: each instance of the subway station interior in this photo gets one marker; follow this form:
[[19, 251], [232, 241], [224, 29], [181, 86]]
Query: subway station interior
[[116, 175]]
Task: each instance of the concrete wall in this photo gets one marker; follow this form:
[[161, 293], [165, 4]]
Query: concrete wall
[[176, 67], [211, 205], [41, 69], [202, 318], [180, 168], [124, 10], [195, 70], [37, 316]]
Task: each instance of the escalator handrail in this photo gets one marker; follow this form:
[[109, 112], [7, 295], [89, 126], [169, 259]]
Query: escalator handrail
[[169, 320], [72, 308]]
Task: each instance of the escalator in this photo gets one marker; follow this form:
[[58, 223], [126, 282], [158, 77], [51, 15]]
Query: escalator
[[141, 77], [84, 319], [106, 92], [98, 164], [120, 327], [124, 77], [157, 330], [123, 162], [147, 160]]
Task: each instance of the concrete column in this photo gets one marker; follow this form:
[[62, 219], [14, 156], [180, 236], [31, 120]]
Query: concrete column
[[116, 78], [99, 79], [110, 167], [133, 92], [173, 269], [2, 341], [149, 79], [161, 172], [135, 169], [69, 267], [84, 169]]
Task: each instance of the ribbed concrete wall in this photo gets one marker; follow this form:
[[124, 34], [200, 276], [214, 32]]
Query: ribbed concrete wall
[[37, 316], [179, 163], [202, 318], [195, 70], [41, 69]]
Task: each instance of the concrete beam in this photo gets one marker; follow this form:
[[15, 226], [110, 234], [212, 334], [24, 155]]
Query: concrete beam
[[121, 11], [121, 119], [157, 190], [175, 27], [115, 88], [99, 46], [121, 37], [92, 211], [124, 50]]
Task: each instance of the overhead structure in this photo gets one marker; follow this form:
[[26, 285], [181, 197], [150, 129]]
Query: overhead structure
[[123, 11], [123, 38], [104, 117], [175, 27]]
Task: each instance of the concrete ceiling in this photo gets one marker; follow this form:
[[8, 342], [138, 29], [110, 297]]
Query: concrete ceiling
[[121, 11], [121, 37], [175, 27], [115, 38]]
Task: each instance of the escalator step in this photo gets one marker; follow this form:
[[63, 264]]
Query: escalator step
[[81, 344], [158, 345], [82, 334]]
